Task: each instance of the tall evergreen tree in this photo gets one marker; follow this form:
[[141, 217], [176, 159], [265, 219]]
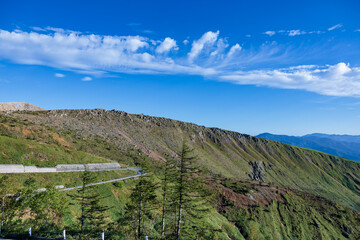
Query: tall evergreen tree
[[142, 202], [8, 207], [49, 207], [92, 216], [189, 196], [3, 194], [169, 174]]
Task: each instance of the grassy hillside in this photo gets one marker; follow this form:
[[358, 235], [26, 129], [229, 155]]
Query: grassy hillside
[[297, 180], [23, 151], [67, 179], [220, 152], [263, 211]]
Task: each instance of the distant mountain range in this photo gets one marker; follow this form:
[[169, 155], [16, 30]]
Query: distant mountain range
[[347, 146]]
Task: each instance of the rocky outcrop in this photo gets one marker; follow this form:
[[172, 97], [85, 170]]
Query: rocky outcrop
[[19, 106], [258, 170]]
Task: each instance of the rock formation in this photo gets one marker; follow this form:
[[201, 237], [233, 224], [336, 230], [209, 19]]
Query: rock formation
[[19, 106]]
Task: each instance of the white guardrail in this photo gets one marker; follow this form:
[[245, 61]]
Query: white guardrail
[[19, 168]]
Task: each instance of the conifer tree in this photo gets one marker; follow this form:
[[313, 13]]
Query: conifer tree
[[49, 207], [14, 204], [5, 201], [142, 202], [189, 195], [167, 184], [92, 215]]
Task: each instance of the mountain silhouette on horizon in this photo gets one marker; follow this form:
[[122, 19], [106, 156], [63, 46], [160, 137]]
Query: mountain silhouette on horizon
[[346, 146]]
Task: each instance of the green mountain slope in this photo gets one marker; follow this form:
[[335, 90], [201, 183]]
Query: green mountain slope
[[272, 212], [295, 177], [227, 153]]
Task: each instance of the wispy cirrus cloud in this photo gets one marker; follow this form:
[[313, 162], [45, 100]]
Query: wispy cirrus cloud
[[335, 80], [210, 56], [292, 33], [59, 75], [86, 79], [296, 32], [270, 33], [335, 27]]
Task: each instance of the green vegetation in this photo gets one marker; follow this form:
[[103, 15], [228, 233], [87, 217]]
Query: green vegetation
[[292, 217], [67, 179], [20, 151], [92, 216], [291, 203]]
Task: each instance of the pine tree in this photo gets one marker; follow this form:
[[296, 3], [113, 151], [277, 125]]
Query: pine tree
[[49, 207], [167, 184], [92, 215], [5, 200], [14, 205], [189, 196], [142, 201]]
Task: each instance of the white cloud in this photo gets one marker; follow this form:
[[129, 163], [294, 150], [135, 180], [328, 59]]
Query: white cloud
[[59, 75], [166, 46], [185, 42], [234, 49], [248, 35], [270, 33], [335, 80], [335, 27], [315, 32], [357, 30], [208, 38], [39, 29], [296, 32], [85, 79], [210, 56]]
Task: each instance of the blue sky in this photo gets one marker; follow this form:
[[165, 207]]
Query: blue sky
[[284, 67]]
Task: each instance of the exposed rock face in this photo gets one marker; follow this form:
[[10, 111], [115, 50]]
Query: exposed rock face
[[19, 106], [258, 171]]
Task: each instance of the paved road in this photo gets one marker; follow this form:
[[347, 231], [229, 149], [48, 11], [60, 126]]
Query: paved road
[[139, 172]]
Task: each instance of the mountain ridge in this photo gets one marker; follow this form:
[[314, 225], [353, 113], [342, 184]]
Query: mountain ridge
[[260, 187], [223, 152]]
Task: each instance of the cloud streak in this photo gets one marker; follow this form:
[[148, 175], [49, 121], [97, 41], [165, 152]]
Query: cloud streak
[[210, 56], [335, 27], [270, 33], [59, 75]]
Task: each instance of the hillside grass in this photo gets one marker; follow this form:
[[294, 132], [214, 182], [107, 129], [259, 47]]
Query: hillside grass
[[135, 139], [27, 152], [67, 179]]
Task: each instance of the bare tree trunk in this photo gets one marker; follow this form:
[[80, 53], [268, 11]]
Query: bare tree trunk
[[163, 219], [163, 210], [139, 221], [180, 195], [2, 212], [83, 208]]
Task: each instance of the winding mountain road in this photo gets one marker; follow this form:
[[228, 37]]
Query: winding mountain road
[[139, 172]]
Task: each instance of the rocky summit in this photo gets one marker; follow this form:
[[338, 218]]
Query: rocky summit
[[19, 106]]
